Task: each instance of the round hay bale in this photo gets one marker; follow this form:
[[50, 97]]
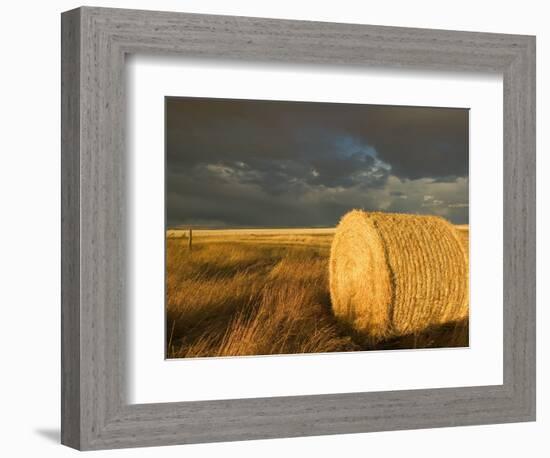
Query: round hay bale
[[396, 274]]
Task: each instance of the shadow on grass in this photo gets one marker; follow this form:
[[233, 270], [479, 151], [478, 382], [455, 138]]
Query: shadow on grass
[[448, 335]]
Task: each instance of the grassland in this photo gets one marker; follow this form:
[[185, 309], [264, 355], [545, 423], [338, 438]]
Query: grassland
[[265, 291]]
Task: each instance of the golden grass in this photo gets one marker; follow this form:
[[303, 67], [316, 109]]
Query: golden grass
[[230, 297], [396, 274], [263, 292]]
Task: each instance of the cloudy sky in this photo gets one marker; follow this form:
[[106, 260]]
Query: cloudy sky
[[253, 163]]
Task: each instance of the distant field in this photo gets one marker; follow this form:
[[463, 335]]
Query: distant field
[[305, 236], [264, 291]]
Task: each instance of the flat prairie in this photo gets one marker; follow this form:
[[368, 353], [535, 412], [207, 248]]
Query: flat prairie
[[237, 292]]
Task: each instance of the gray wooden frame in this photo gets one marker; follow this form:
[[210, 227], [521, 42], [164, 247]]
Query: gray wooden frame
[[95, 413]]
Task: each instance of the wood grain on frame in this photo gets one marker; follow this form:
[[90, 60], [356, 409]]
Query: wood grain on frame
[[95, 412]]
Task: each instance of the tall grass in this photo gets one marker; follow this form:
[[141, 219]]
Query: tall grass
[[229, 296]]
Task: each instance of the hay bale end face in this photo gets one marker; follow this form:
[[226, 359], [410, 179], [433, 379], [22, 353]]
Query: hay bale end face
[[396, 274]]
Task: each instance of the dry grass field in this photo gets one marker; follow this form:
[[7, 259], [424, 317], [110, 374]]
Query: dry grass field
[[266, 291]]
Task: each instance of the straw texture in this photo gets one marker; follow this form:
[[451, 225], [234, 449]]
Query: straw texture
[[395, 274]]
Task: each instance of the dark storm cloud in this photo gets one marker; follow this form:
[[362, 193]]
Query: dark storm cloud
[[261, 163]]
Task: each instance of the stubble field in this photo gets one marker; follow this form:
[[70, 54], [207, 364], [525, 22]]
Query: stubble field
[[266, 291]]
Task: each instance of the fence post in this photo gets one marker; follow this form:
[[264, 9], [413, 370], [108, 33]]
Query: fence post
[[190, 239]]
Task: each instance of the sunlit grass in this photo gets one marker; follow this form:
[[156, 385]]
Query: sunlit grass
[[261, 293]]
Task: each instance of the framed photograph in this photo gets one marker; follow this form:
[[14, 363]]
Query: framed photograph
[[277, 228], [287, 231]]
